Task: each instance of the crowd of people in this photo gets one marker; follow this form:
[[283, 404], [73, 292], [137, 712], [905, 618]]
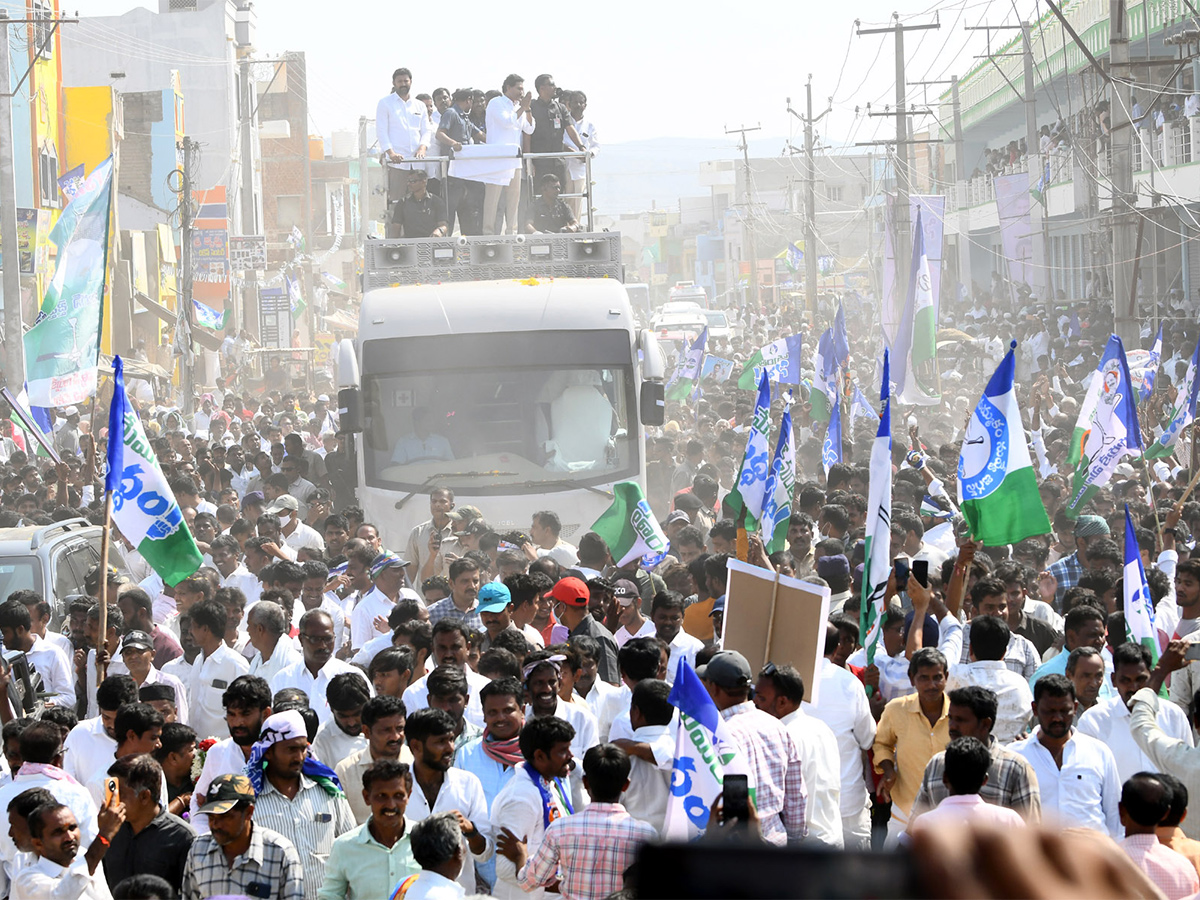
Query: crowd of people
[[327, 709], [427, 199]]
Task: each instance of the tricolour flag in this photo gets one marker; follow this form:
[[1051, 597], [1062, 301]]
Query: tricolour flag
[[779, 359], [208, 317], [629, 527], [687, 373], [63, 346], [915, 348], [704, 754], [831, 449], [1107, 429], [878, 559], [144, 507], [1138, 608], [1182, 412], [777, 503], [745, 501], [997, 486]]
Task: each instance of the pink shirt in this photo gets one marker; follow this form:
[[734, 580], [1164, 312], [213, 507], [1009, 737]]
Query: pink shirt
[[1170, 871], [961, 809]]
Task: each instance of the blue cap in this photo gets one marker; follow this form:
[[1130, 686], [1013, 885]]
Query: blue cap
[[493, 597]]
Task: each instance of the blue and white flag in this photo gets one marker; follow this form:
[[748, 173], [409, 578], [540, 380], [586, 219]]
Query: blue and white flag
[[795, 256], [1145, 371], [1138, 608], [295, 295], [860, 406], [831, 450], [704, 754], [877, 564], [1182, 411], [71, 182], [208, 317], [781, 485], [779, 359], [686, 377], [746, 498], [841, 342], [824, 383]]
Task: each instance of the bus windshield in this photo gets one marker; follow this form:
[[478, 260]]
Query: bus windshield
[[519, 427]]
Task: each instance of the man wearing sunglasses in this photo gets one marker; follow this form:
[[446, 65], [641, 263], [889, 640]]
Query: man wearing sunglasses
[[318, 666]]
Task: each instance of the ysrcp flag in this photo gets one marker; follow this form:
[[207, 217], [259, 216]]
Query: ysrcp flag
[[704, 754], [915, 347], [1107, 429], [1139, 611], [209, 317], [687, 374], [779, 359], [63, 346], [143, 506], [1182, 412], [877, 565], [629, 527], [831, 449], [1144, 368], [997, 487], [777, 499], [747, 495]]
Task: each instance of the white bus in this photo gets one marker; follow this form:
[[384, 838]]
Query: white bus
[[520, 394]]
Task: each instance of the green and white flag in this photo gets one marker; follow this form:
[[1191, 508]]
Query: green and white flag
[[915, 348], [1136, 602], [745, 502], [1182, 412], [997, 487], [63, 346], [777, 505], [629, 528], [877, 562], [144, 507], [780, 359], [687, 373]]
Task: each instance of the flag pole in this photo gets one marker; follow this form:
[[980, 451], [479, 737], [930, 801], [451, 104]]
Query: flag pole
[[1150, 490], [771, 618], [102, 638], [1187, 492]]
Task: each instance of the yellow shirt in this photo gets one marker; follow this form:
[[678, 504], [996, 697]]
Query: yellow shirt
[[697, 620], [905, 737]]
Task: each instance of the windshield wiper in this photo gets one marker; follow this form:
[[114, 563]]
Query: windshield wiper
[[565, 482], [488, 474]]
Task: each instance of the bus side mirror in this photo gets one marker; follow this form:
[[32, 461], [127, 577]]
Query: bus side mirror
[[350, 414], [653, 402]]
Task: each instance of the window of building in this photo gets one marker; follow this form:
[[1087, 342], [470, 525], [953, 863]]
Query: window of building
[[834, 193], [48, 167], [181, 5], [40, 33], [289, 213]]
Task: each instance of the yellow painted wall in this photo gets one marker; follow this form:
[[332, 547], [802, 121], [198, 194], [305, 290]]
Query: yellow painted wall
[[89, 125]]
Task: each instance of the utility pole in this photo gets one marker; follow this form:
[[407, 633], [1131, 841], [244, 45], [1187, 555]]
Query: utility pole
[[249, 310], [364, 186], [1038, 218], [14, 330], [751, 246], [810, 201], [1124, 285], [187, 373], [902, 241]]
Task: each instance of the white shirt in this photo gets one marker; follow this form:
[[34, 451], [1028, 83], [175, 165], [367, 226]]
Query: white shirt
[[401, 125], [1014, 699], [86, 748], [566, 555], [821, 764], [649, 788], [248, 584], [362, 618], [577, 168], [843, 706], [210, 676], [432, 886], [966, 809], [622, 636], [182, 710], [518, 807], [581, 720], [297, 676], [1108, 722], [116, 666], [223, 758], [683, 646], [67, 792], [371, 649], [416, 696], [332, 745], [606, 701], [505, 122], [46, 880], [58, 674], [282, 656], [1085, 792], [63, 643], [305, 537], [462, 791]]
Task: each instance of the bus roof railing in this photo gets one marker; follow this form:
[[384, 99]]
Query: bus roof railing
[[488, 257]]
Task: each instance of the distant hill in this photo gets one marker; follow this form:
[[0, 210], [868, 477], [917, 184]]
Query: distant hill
[[632, 176]]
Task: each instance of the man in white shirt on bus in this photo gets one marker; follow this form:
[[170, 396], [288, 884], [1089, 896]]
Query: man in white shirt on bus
[[508, 117], [404, 131]]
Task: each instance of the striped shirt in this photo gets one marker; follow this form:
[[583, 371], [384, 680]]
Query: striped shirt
[[775, 771], [311, 821], [269, 869], [592, 848], [1010, 783]]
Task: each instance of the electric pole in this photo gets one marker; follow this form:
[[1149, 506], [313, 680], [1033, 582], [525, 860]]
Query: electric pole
[[14, 330], [249, 311], [751, 247], [810, 201], [1124, 284], [364, 186], [902, 241], [960, 180], [187, 372]]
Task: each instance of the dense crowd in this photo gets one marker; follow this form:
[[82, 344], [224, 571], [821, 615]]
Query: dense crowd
[[326, 709]]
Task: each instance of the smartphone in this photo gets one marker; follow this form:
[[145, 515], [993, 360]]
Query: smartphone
[[735, 799], [112, 792], [901, 567], [920, 570], [1193, 651]]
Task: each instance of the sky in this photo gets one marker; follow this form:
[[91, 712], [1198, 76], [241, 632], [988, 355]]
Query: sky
[[650, 69]]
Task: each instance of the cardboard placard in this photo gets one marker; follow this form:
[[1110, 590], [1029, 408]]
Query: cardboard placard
[[774, 618]]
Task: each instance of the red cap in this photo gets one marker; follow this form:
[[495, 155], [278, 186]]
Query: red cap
[[571, 591]]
